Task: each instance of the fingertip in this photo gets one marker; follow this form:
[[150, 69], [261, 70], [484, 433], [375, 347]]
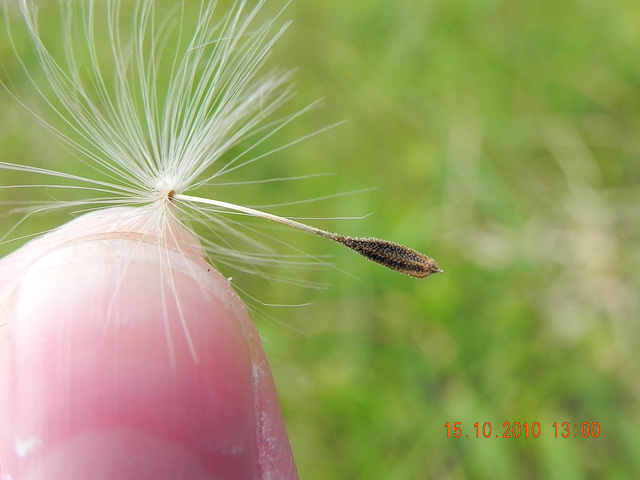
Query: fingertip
[[135, 354]]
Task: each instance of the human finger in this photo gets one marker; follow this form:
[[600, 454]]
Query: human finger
[[126, 356]]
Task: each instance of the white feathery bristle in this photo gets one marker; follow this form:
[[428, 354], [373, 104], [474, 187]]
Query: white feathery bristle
[[150, 102]]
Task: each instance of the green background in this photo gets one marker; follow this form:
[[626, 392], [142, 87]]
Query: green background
[[503, 139]]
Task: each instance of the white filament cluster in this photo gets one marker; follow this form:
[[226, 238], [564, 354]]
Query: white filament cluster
[[151, 105]]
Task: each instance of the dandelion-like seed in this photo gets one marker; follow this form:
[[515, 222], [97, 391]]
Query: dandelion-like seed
[[153, 120]]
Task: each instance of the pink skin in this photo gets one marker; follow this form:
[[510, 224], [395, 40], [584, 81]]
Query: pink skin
[[114, 365]]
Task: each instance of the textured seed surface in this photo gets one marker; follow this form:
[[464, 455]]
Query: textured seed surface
[[392, 255]]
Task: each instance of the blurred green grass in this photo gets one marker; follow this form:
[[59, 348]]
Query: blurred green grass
[[503, 139]]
